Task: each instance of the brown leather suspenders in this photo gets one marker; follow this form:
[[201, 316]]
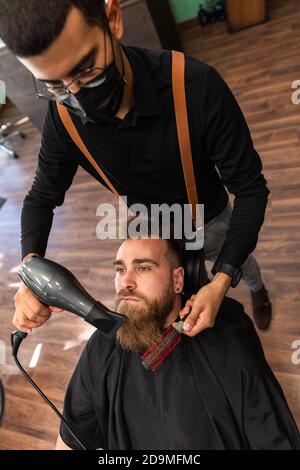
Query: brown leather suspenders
[[72, 131], [178, 84], [183, 129]]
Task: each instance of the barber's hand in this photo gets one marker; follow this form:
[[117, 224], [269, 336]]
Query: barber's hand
[[204, 305], [30, 312]]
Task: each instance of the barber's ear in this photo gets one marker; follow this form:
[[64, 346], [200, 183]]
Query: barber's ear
[[178, 279], [115, 19]]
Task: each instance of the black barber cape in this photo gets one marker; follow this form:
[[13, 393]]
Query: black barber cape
[[214, 391]]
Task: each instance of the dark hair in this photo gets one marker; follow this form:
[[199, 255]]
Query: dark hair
[[29, 27], [175, 252], [175, 246]]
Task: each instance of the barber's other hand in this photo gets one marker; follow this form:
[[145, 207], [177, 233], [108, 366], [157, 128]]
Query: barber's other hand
[[30, 312], [204, 305]]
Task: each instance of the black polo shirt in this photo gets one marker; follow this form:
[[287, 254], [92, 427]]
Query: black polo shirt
[[140, 154]]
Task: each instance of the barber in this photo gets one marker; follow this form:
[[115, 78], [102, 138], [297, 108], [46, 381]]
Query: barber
[[120, 99]]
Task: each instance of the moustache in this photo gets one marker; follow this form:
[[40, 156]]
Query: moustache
[[126, 293]]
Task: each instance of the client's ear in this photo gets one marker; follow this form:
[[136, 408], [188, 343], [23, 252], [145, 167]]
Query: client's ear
[[178, 279]]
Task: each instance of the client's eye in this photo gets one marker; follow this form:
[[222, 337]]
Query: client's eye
[[144, 268], [120, 270]]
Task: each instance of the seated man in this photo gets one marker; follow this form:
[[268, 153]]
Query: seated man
[[213, 391]]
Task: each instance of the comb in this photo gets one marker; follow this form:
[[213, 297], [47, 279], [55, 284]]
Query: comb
[[156, 354]]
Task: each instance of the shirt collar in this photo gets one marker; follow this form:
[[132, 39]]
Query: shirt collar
[[145, 98]]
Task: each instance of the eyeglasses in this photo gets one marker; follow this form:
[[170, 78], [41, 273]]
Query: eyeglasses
[[59, 91]]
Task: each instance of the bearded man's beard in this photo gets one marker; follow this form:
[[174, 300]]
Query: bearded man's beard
[[144, 319]]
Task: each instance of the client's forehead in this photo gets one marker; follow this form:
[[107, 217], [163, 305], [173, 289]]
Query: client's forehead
[[145, 248]]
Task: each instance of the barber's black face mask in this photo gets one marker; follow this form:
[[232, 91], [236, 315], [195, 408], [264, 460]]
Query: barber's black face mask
[[99, 103]]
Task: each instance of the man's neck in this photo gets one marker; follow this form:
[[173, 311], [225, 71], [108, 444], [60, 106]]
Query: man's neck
[[127, 99], [173, 315]]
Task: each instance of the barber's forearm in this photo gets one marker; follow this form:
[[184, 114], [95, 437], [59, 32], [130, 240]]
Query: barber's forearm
[[32, 247], [233, 253], [244, 226], [29, 256], [222, 282], [36, 223]]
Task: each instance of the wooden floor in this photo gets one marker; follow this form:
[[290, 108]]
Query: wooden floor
[[259, 65]]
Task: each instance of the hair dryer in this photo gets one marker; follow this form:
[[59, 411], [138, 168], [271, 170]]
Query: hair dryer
[[55, 285]]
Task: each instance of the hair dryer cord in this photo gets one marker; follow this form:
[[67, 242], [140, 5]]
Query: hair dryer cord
[[16, 339]]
